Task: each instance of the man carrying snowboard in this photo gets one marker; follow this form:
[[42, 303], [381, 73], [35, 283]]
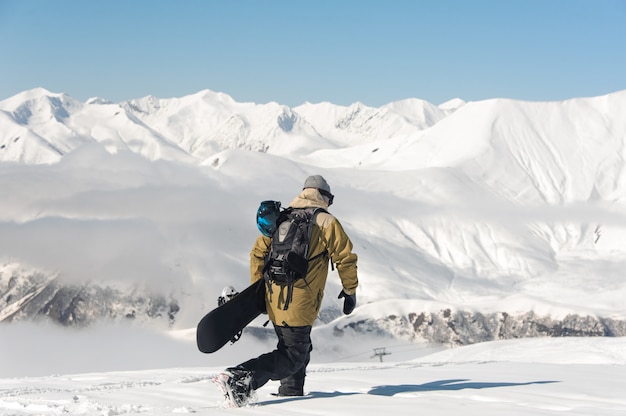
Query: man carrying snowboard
[[293, 303]]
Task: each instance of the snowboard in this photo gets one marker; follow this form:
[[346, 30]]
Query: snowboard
[[226, 321]]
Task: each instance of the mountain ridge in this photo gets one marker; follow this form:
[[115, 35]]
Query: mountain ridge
[[187, 122]]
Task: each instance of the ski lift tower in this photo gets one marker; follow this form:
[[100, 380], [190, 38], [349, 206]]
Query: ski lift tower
[[380, 352]]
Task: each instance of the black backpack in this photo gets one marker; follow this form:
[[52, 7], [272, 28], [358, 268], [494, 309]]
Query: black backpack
[[287, 260]]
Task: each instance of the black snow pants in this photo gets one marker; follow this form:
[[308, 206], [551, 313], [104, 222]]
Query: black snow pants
[[286, 363]]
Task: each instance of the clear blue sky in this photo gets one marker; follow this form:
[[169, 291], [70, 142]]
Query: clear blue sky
[[341, 51]]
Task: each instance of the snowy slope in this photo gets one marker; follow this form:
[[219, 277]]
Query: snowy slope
[[521, 377]]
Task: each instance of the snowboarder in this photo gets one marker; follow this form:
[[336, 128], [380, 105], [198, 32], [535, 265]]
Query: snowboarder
[[293, 324]]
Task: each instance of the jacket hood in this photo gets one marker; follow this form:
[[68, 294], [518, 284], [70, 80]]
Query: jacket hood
[[309, 197]]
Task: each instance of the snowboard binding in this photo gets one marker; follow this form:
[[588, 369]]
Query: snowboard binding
[[228, 293]]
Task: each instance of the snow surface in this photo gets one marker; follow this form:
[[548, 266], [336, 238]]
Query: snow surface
[[490, 206], [515, 377]]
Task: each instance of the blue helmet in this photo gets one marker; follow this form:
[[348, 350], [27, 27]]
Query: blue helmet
[[266, 217]]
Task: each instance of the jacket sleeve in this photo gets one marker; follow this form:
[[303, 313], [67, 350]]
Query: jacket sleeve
[[257, 257], [340, 251]]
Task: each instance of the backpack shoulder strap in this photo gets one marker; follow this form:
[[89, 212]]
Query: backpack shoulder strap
[[316, 211]]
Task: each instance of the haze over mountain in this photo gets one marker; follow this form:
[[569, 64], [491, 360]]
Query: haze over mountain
[[472, 221]]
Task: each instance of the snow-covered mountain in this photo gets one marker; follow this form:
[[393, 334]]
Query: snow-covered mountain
[[40, 127], [472, 221]]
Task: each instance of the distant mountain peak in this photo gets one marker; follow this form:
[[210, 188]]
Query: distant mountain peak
[[98, 100], [452, 104], [40, 104]]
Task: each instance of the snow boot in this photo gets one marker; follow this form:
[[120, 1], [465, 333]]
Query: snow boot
[[289, 391], [235, 383]]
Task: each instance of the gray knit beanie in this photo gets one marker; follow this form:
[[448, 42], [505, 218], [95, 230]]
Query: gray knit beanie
[[317, 181]]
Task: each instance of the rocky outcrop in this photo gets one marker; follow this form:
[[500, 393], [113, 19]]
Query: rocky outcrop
[[462, 328], [36, 296]]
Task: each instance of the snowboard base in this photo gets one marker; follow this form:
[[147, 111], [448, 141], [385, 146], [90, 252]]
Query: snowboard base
[[223, 323]]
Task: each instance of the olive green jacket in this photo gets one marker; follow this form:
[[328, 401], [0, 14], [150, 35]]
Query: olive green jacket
[[327, 234]]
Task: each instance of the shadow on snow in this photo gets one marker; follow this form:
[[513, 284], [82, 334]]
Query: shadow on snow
[[446, 385], [391, 390]]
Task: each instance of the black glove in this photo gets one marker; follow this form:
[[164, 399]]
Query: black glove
[[349, 302]]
